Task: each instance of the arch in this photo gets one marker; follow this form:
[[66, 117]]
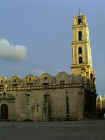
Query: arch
[[4, 111], [3, 79], [45, 76], [30, 80], [80, 50], [80, 60], [15, 78], [46, 79], [30, 77], [79, 20], [80, 35]]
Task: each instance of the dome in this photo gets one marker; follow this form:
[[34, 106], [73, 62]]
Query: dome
[[45, 76], [3, 79], [15, 78], [31, 77]]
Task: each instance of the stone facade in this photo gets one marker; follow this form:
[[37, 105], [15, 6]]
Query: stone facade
[[60, 97]]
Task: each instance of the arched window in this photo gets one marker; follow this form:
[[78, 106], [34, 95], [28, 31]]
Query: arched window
[[80, 60], [45, 78], [14, 80], [14, 83], [80, 50], [29, 79], [80, 35], [79, 21]]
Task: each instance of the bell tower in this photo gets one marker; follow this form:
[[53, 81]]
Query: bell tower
[[81, 49]]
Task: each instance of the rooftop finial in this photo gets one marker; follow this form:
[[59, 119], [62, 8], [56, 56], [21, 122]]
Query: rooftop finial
[[79, 12]]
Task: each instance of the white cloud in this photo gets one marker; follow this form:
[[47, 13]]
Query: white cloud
[[12, 52]]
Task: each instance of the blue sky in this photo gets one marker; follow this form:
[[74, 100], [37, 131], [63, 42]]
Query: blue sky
[[43, 29]]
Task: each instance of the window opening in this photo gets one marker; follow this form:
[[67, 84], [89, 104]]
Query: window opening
[[4, 111], [80, 50], [80, 60], [79, 21], [67, 105], [80, 35]]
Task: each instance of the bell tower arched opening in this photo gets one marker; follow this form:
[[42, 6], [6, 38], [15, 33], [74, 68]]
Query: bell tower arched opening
[[80, 60], [80, 35], [79, 50]]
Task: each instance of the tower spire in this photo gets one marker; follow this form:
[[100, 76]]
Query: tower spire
[[79, 13]]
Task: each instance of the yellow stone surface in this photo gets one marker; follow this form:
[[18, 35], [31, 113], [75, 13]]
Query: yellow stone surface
[[85, 68]]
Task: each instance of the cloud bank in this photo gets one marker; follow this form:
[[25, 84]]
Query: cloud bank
[[11, 52]]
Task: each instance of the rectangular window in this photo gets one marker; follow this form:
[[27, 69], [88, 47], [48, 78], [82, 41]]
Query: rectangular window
[[67, 105]]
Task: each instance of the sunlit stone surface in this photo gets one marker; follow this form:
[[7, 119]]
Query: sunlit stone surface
[[60, 97]]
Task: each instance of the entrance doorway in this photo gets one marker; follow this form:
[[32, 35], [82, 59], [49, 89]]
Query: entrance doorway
[[4, 111]]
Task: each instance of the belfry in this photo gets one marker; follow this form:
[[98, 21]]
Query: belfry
[[81, 49]]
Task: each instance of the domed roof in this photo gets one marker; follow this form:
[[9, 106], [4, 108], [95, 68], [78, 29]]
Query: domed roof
[[31, 77], [3, 79], [15, 77], [45, 76]]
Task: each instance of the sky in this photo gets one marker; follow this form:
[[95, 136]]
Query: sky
[[36, 36]]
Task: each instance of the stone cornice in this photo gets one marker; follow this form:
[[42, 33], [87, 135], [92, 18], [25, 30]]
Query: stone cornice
[[79, 26], [80, 42], [32, 88]]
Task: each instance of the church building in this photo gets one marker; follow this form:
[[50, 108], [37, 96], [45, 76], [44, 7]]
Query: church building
[[60, 97]]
